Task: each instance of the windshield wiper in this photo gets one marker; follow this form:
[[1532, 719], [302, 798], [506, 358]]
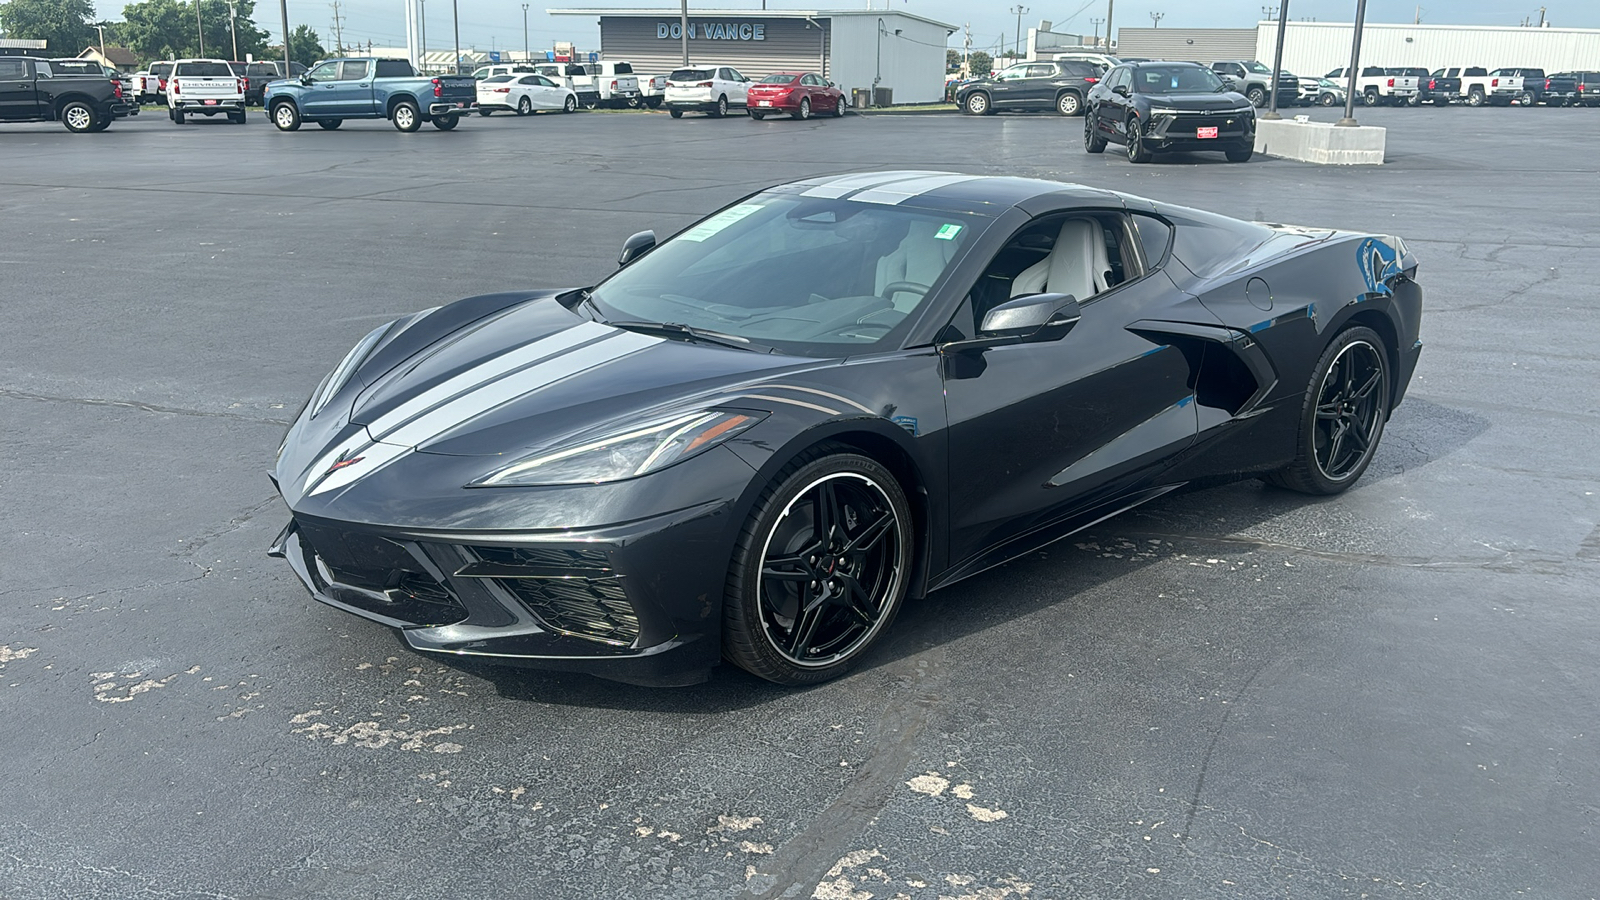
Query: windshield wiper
[[680, 331]]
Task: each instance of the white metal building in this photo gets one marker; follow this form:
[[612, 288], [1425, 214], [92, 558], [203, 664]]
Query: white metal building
[[1201, 45], [857, 48], [1312, 48]]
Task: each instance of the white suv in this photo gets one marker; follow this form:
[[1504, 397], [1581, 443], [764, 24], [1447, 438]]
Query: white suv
[[708, 89]]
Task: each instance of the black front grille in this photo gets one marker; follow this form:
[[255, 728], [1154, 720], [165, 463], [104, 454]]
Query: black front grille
[[544, 557], [591, 608], [378, 575]]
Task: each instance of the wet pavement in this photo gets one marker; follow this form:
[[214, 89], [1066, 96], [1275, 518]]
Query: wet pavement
[[1230, 692]]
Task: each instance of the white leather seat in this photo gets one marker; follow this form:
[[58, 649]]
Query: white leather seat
[[920, 259], [1078, 264]]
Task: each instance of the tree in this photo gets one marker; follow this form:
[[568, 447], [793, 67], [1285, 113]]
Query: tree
[[952, 60], [305, 47], [982, 63], [165, 29], [64, 25]]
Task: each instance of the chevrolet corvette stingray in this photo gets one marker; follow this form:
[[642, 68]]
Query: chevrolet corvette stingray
[[754, 441]]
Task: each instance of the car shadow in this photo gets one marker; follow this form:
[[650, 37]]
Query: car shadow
[[1420, 433]]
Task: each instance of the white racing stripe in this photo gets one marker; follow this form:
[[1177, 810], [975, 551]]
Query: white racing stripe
[[852, 183], [471, 394], [896, 192], [806, 390]]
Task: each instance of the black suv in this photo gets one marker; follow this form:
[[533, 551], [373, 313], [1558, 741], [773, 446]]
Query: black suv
[[1155, 107], [1061, 85]]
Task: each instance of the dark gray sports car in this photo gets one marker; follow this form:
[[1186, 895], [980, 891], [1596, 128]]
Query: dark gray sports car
[[757, 439]]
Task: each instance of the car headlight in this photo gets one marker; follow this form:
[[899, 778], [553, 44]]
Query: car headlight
[[626, 453], [1163, 111]]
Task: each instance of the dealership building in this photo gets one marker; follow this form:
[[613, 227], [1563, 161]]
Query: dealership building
[[899, 53]]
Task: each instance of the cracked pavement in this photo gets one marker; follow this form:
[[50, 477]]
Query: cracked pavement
[[1229, 692]]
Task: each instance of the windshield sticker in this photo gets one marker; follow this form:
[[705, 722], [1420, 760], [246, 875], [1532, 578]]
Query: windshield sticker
[[948, 232], [719, 221]]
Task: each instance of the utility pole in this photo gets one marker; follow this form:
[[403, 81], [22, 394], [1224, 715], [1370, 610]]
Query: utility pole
[[1021, 11], [1277, 61], [1541, 17], [233, 27], [1156, 18], [199, 29], [526, 54], [283, 7], [966, 53], [1349, 120], [422, 26], [683, 27], [1417, 19], [1111, 8], [1096, 23], [338, 28], [455, 13]]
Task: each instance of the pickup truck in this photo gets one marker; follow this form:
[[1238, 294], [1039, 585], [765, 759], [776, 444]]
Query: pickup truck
[[1501, 86], [204, 87], [1560, 89], [1588, 90], [618, 86], [1253, 79], [653, 90], [257, 75], [155, 84], [88, 68], [575, 78], [1424, 78], [1444, 85], [1376, 86], [30, 92], [366, 87]]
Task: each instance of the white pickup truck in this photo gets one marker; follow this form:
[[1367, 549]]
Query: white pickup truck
[[1375, 86], [653, 90], [1500, 87], [205, 87], [617, 84], [575, 78]]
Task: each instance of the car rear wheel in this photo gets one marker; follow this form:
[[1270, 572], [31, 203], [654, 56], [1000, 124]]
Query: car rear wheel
[[1525, 98], [406, 116], [1240, 154], [592, 104], [819, 569], [722, 108], [78, 117], [675, 113], [804, 112], [1475, 98], [1257, 97], [977, 104], [1069, 104], [1341, 422], [484, 112], [1093, 141], [445, 123], [757, 115], [286, 117], [571, 104], [329, 124], [1137, 151], [1370, 98], [1327, 100], [524, 107]]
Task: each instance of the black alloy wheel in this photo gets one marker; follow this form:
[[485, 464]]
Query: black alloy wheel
[[1343, 416], [1137, 151], [1093, 142], [820, 569]]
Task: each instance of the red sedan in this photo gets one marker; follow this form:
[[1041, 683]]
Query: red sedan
[[797, 93]]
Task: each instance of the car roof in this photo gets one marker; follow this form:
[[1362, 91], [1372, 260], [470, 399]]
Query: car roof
[[987, 195]]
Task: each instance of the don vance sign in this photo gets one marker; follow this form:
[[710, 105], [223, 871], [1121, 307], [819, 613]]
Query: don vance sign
[[714, 31]]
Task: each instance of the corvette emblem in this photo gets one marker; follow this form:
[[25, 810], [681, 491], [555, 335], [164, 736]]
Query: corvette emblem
[[342, 462]]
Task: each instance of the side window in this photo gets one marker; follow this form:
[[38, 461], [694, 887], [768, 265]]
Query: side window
[[42, 69], [1041, 71], [1155, 238], [355, 70], [528, 79], [1077, 253], [394, 68], [328, 71], [12, 68], [737, 75]]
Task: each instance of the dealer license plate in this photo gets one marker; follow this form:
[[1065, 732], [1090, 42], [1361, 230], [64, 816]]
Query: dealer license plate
[[211, 103], [763, 102], [1206, 132]]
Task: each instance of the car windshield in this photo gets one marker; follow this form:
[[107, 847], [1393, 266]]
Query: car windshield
[[814, 276], [1175, 80], [498, 79], [204, 70], [1258, 68], [779, 78], [690, 75]]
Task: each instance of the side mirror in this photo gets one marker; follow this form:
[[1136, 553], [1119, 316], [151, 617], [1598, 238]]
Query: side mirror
[[1031, 318], [306, 79], [636, 246], [1121, 90]]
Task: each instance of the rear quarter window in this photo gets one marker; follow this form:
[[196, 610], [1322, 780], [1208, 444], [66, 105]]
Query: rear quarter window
[[624, 69], [394, 68]]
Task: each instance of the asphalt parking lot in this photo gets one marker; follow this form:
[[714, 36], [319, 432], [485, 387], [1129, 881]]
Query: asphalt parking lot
[[1231, 692]]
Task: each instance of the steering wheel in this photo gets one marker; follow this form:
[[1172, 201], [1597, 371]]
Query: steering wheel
[[901, 287]]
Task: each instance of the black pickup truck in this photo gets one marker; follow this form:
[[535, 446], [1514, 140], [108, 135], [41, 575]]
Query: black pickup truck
[[1560, 89], [30, 91]]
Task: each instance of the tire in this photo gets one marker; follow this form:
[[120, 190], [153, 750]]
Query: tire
[[804, 112], [1441, 101], [1069, 104], [1475, 98], [839, 107], [1093, 142], [286, 117], [236, 118], [675, 113], [485, 112], [1327, 100], [524, 107], [653, 102], [406, 116], [1349, 390], [789, 555], [1137, 151], [1240, 154], [1257, 97], [571, 105], [757, 115], [591, 104], [977, 104], [1370, 97], [446, 123], [100, 126], [78, 117], [722, 108], [1526, 98], [329, 124]]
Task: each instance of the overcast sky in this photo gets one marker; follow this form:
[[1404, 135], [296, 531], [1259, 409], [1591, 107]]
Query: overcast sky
[[498, 23]]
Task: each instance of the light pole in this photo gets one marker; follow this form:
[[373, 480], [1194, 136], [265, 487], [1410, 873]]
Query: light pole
[[1111, 8], [683, 29], [102, 30], [455, 12], [233, 27], [1349, 120], [199, 29], [1277, 61], [422, 28], [1020, 11], [878, 71], [283, 8], [1156, 18], [526, 53], [1096, 23]]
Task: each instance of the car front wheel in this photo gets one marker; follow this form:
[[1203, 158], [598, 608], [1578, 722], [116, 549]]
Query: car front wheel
[[977, 104], [1257, 97], [1137, 151], [819, 570], [1342, 419], [1240, 154], [1093, 142], [445, 123], [286, 117]]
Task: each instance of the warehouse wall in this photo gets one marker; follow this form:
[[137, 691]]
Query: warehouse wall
[[1313, 48], [913, 61], [785, 43], [1201, 45]]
